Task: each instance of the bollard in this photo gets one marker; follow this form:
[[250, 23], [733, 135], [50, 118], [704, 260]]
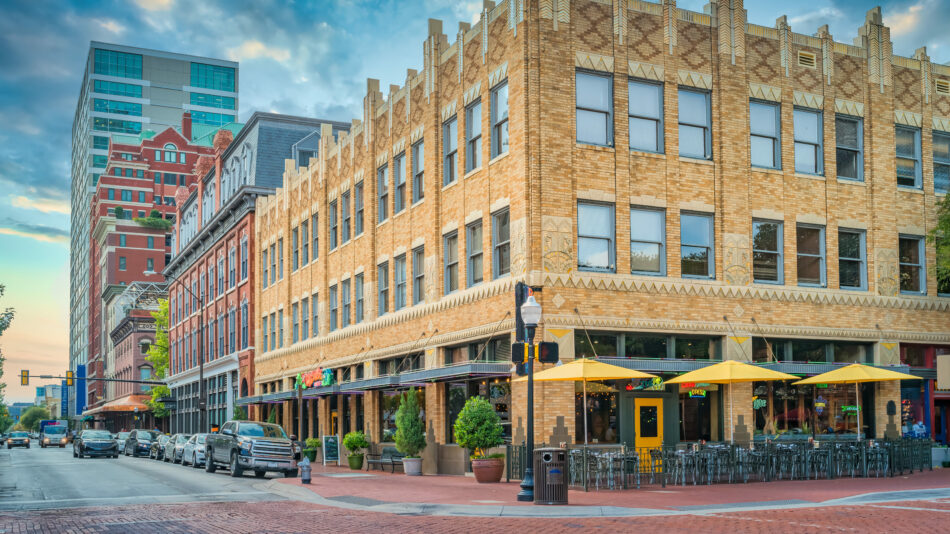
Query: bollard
[[304, 466]]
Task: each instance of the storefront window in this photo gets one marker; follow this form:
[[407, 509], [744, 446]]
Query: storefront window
[[496, 391], [797, 411], [760, 349], [601, 413], [851, 352], [389, 404], [690, 348], [636, 346], [914, 421], [599, 345], [913, 356], [808, 351], [697, 402]]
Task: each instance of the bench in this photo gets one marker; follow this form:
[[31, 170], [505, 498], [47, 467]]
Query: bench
[[389, 456]]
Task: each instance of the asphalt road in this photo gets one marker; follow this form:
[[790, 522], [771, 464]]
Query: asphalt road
[[35, 479]]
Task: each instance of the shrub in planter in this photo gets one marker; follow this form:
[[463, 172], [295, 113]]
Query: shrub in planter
[[313, 446], [410, 432], [478, 429], [356, 443]]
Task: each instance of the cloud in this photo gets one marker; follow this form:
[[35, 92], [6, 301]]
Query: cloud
[[155, 5], [38, 232], [111, 25], [255, 49], [904, 22], [813, 19], [42, 204]]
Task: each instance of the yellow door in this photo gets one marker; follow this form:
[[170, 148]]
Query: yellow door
[[648, 416]]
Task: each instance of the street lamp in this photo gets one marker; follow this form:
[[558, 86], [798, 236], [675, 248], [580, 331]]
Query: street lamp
[[531, 315], [202, 393]]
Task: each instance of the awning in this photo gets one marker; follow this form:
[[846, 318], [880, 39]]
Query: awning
[[456, 371], [244, 401], [370, 383], [130, 403]]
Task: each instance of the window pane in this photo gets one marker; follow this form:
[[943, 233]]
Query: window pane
[[646, 225], [695, 261], [763, 151], [696, 229], [765, 266], [806, 126], [905, 143], [941, 144], [805, 158], [909, 251], [594, 220], [643, 134], [636, 346], [762, 119], [692, 141], [594, 253], [809, 240], [849, 245], [592, 127], [906, 172], [846, 131], [809, 270], [850, 273], [910, 278], [847, 163], [593, 91], [645, 257], [692, 107], [644, 100], [941, 178], [765, 236]]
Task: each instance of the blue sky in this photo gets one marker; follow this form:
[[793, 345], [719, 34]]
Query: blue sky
[[305, 58]]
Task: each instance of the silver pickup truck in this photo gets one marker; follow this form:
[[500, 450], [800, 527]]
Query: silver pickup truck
[[250, 446]]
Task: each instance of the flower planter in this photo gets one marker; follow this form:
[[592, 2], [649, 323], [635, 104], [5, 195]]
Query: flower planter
[[311, 454], [355, 461], [488, 470], [412, 466]]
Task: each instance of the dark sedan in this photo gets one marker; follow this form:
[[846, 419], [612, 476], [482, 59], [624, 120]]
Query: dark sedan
[[157, 451], [139, 442], [95, 443], [18, 439]]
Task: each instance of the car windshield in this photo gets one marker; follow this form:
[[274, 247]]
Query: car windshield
[[145, 435], [201, 438], [55, 430], [261, 430], [96, 434], [19, 435], [123, 435], [183, 438]]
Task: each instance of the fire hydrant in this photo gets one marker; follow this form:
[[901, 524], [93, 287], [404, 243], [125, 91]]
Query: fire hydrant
[[304, 470]]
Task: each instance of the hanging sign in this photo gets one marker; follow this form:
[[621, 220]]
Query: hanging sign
[[311, 377], [849, 408], [758, 403], [820, 404], [697, 393]]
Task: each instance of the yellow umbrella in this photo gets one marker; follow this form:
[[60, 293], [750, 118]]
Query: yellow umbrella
[[584, 369], [731, 372], [856, 373]]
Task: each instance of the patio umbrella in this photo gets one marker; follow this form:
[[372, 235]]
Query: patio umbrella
[[731, 372], [857, 373], [584, 369]]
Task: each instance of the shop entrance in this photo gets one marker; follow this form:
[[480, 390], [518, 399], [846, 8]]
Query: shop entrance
[[648, 422]]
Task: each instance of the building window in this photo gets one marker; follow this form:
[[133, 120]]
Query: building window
[[399, 183], [315, 319], [117, 107], [334, 311], [212, 77], [912, 277], [501, 243], [280, 258], [304, 244], [116, 88], [473, 136], [382, 280], [273, 263], [232, 266], [280, 327], [594, 100], [595, 237], [141, 197], [418, 171], [121, 263], [358, 209], [499, 119], [295, 254], [647, 241], [908, 157], [150, 265], [345, 303], [382, 194], [221, 286], [151, 242], [808, 152], [810, 242], [697, 259], [399, 281], [333, 225], [304, 318], [941, 148], [418, 275], [345, 217], [295, 317], [849, 152], [316, 235], [122, 64], [122, 240], [764, 135], [244, 325], [450, 252], [943, 274], [273, 331], [264, 267], [231, 331], [358, 297], [695, 136], [244, 259], [767, 251], [212, 101], [450, 148], [645, 102], [473, 252]]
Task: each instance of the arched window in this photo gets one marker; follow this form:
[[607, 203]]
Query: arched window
[[244, 387], [171, 153]]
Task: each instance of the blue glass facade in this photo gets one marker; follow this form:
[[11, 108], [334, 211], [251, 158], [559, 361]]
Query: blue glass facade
[[214, 119], [115, 106], [112, 63], [116, 88], [212, 77], [212, 101]]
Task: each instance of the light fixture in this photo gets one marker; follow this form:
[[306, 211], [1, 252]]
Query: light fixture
[[531, 312]]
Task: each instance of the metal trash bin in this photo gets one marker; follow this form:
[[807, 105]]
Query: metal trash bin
[[550, 476]]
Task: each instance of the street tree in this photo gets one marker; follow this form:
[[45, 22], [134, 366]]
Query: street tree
[[31, 418], [158, 357], [6, 317], [940, 236]]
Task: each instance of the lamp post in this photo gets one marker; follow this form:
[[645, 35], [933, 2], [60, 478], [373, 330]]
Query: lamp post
[[531, 315], [202, 393]]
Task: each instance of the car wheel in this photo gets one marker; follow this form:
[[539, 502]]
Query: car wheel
[[209, 464], [260, 474], [194, 460], [235, 470]]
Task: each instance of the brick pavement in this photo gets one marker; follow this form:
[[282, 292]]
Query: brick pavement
[[298, 517]]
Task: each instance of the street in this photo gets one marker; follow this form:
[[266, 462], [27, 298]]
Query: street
[[47, 490]]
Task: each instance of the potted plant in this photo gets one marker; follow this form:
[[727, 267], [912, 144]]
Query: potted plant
[[313, 445], [356, 443], [478, 429], [410, 433]]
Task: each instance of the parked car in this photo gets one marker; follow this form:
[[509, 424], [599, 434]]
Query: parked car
[[248, 445], [175, 447], [157, 450], [95, 443], [139, 442], [194, 451], [120, 440], [18, 439]]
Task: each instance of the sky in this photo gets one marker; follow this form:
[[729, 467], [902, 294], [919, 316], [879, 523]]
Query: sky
[[307, 58]]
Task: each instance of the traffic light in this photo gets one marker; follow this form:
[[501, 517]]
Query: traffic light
[[69, 378], [24, 378], [547, 352]]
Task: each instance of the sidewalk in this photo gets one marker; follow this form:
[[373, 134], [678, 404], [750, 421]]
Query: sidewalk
[[457, 495]]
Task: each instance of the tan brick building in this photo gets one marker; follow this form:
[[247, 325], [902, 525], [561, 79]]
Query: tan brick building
[[678, 187]]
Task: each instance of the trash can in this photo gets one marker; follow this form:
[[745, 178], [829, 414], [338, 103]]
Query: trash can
[[550, 476]]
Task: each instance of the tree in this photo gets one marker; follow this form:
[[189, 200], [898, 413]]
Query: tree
[[940, 236], [478, 427], [238, 413], [6, 317], [158, 357], [410, 430], [32, 417]]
